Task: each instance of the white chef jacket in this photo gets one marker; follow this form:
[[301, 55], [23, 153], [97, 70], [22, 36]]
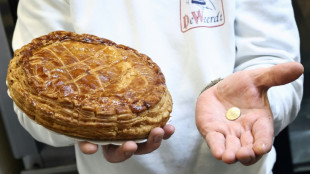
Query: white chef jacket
[[193, 42]]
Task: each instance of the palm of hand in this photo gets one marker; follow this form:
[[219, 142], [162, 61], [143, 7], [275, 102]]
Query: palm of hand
[[250, 136], [244, 139]]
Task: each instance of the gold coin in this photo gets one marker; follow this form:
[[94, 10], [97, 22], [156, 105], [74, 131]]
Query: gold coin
[[233, 113]]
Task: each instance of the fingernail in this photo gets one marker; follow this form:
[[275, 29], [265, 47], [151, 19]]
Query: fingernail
[[263, 146], [245, 160], [158, 139]]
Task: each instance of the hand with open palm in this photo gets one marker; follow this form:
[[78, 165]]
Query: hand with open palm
[[249, 137]]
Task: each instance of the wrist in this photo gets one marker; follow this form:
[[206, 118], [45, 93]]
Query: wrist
[[212, 83]]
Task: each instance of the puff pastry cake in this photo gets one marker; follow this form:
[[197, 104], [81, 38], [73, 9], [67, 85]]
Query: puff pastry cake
[[88, 87]]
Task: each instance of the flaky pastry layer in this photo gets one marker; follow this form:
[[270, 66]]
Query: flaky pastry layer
[[88, 87]]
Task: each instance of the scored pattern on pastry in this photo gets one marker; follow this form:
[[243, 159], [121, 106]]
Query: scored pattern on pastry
[[89, 87]]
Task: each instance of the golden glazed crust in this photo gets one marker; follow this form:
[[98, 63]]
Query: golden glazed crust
[[88, 87]]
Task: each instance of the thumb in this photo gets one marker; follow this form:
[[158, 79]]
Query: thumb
[[280, 74]]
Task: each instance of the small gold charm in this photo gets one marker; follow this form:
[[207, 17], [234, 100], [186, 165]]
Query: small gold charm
[[233, 113]]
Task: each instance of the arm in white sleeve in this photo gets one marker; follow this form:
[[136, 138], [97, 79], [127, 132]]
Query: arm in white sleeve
[[40, 133], [39, 17], [36, 18], [266, 35]]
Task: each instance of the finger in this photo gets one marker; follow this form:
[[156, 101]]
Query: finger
[[246, 155], [280, 74], [169, 130], [87, 148], [232, 146], [263, 136], [153, 142], [246, 138], [115, 154], [216, 142]]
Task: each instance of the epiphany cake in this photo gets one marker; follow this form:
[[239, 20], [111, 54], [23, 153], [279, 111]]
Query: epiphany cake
[[88, 87]]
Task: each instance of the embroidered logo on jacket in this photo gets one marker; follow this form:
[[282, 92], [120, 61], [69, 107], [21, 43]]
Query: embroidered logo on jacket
[[201, 13]]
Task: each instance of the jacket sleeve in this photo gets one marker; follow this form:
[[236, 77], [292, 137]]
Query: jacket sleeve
[[36, 18], [39, 17], [266, 35]]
